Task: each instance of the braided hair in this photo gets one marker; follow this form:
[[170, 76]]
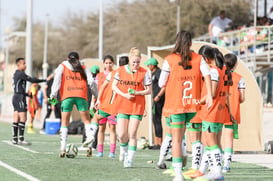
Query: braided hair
[[230, 62]]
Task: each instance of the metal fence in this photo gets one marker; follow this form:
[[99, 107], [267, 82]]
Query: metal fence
[[253, 45]]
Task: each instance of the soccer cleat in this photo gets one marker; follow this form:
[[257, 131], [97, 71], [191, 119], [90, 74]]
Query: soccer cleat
[[178, 178], [126, 162], [62, 154], [190, 171], [89, 152], [88, 141], [15, 142], [24, 143], [201, 179], [195, 174], [161, 166], [210, 176], [99, 154], [121, 157], [82, 148], [31, 131], [169, 171], [226, 169], [42, 131], [111, 155]]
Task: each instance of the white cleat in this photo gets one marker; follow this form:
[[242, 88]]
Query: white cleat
[[126, 162], [178, 178], [24, 143]]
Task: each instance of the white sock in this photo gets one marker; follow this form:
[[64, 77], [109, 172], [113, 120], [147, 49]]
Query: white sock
[[177, 169], [204, 161], [216, 160], [93, 128], [131, 152], [63, 136], [131, 155], [184, 146], [197, 149], [123, 150], [87, 128], [164, 149], [227, 159]]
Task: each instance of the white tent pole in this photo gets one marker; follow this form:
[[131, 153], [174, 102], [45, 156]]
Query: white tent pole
[[28, 57], [101, 31], [45, 65]]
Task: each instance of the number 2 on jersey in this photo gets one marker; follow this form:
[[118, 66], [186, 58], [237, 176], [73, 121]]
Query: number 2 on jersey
[[187, 89]]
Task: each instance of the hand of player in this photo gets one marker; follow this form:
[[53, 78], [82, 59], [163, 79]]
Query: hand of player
[[209, 102], [156, 99], [129, 96], [232, 118], [145, 113], [97, 104]]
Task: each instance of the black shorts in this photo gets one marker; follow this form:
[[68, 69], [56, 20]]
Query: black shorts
[[19, 103]]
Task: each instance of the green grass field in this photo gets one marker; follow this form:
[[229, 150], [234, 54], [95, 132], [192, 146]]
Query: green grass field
[[41, 161]]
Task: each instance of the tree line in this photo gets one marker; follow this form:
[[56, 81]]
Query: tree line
[[139, 23]]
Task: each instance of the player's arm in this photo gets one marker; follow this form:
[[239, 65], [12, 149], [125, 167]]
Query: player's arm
[[241, 87], [92, 84], [147, 82], [57, 81], [164, 75], [206, 74], [214, 76], [102, 89]]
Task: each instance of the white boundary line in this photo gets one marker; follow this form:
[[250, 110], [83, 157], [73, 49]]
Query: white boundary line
[[18, 172], [21, 147]]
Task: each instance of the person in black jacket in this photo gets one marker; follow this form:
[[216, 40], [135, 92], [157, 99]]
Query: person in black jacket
[[158, 101], [19, 101]]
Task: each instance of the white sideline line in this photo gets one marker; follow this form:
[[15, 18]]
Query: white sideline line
[[21, 147], [18, 172]]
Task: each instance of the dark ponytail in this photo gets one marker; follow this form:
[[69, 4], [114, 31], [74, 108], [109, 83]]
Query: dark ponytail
[[182, 46], [73, 59], [230, 62], [219, 58]]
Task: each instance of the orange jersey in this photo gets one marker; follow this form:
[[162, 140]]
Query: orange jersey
[[183, 89], [218, 112], [72, 84], [234, 97], [197, 117], [134, 81], [108, 97], [101, 78]]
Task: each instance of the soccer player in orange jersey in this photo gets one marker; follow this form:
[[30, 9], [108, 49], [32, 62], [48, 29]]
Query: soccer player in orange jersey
[[236, 97], [181, 74], [131, 84], [71, 79], [214, 118]]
